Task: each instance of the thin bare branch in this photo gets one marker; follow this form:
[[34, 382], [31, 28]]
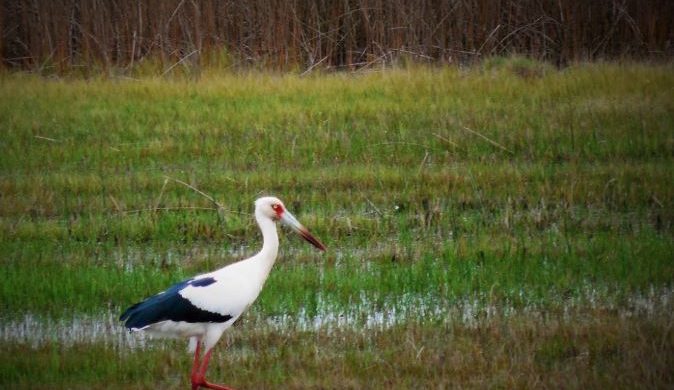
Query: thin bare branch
[[449, 141], [155, 209], [179, 62], [47, 138], [161, 193], [198, 191], [313, 66], [488, 140], [374, 207]]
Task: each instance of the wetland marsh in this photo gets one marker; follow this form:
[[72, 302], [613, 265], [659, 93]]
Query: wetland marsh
[[485, 227]]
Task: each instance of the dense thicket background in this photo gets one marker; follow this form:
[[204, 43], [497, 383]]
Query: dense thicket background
[[85, 35]]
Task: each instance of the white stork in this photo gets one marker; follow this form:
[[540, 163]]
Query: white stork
[[203, 307]]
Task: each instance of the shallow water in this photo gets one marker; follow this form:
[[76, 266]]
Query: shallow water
[[35, 331], [131, 257], [104, 328]]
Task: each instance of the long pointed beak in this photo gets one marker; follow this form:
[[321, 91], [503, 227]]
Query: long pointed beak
[[290, 221]]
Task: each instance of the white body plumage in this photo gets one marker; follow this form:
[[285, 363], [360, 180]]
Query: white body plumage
[[203, 307]]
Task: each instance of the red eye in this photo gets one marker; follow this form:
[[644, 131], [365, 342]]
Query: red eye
[[277, 208]]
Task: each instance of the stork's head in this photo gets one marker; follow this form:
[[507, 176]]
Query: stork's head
[[272, 208]]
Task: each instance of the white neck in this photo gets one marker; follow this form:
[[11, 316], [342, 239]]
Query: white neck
[[267, 256]]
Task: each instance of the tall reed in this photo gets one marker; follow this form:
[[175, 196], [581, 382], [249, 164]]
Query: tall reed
[[162, 36]]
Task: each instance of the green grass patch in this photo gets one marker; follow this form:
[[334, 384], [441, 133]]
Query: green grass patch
[[512, 185]]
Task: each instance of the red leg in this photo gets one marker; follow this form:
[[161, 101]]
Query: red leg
[[201, 375], [213, 386], [195, 367]]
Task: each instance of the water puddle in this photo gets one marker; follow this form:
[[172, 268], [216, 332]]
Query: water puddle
[[468, 312], [34, 331], [130, 258], [103, 328]]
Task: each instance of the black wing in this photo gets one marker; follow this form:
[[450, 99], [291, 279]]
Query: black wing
[[170, 305]]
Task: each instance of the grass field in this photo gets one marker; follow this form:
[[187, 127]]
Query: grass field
[[508, 225]]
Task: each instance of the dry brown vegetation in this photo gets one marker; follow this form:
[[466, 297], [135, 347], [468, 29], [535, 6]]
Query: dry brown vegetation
[[86, 35]]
